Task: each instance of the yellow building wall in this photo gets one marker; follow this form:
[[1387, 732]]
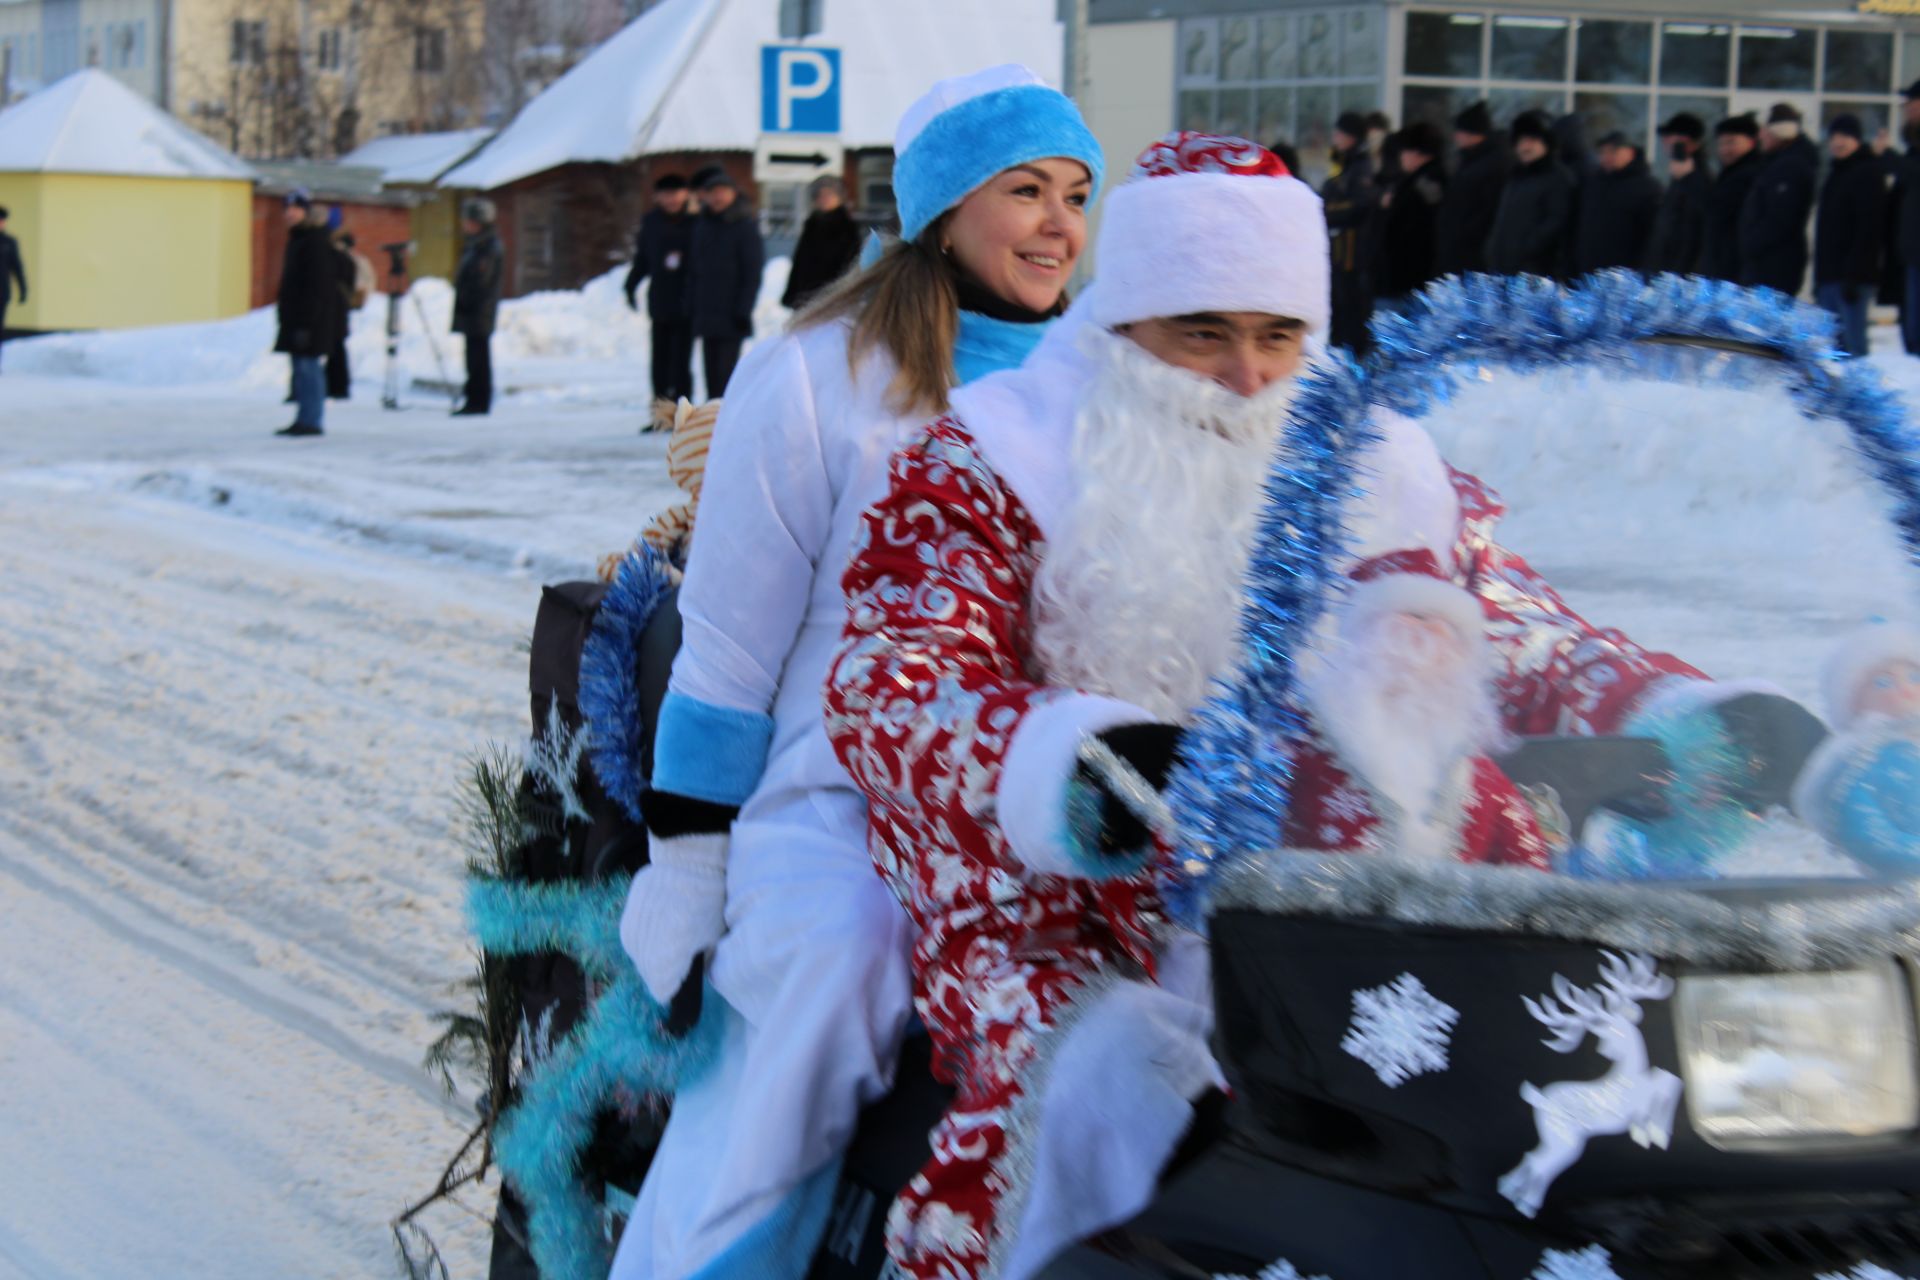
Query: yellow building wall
[[436, 235], [116, 252]]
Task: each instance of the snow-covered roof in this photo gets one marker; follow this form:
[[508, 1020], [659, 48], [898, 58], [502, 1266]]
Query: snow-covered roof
[[417, 157], [89, 122], [685, 76]]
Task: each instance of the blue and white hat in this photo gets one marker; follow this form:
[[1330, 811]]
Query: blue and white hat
[[969, 128]]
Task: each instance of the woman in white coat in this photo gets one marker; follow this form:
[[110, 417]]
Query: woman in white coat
[[758, 838]]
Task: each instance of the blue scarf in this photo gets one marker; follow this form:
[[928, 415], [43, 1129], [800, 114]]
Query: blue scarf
[[986, 345]]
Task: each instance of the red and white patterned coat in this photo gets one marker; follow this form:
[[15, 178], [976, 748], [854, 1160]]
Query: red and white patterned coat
[[964, 754]]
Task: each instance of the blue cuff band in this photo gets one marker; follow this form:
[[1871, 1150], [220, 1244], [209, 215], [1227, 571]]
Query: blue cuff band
[[710, 753], [965, 145]]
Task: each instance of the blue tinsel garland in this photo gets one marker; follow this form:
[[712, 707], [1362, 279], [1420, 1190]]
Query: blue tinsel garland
[[620, 1047], [609, 679], [1230, 787]]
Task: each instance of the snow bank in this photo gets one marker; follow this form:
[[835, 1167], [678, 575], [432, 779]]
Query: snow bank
[[558, 345]]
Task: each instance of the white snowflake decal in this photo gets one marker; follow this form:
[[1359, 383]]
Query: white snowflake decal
[[1590, 1263], [1400, 1030], [1281, 1270], [1865, 1271], [554, 761]]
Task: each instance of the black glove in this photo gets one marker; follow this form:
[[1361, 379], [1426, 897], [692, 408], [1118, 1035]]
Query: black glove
[[1774, 735], [1149, 747]]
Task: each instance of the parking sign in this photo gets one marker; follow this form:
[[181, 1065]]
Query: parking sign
[[799, 89]]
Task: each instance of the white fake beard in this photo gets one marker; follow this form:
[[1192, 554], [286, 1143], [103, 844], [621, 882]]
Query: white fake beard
[[1139, 593], [1403, 729]]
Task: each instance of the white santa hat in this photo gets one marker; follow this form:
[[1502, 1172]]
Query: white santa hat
[[1856, 657], [1408, 582], [1211, 223]]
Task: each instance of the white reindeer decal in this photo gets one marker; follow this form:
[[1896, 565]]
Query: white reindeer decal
[[1632, 1098]]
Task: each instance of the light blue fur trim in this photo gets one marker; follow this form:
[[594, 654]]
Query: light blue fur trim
[[610, 677], [710, 753], [781, 1245], [967, 144], [619, 1048], [1080, 837], [985, 345]]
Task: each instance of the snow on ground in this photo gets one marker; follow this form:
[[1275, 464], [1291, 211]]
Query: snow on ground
[[239, 675]]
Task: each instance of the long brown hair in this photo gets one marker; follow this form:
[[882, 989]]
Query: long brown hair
[[908, 305]]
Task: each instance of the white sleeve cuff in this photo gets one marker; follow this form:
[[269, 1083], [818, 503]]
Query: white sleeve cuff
[[1039, 762]]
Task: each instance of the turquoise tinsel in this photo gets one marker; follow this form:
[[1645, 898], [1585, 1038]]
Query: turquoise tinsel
[[619, 1048], [1230, 786]]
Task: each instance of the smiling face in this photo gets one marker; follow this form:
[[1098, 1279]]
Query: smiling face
[[1244, 351], [1890, 689], [1021, 233]]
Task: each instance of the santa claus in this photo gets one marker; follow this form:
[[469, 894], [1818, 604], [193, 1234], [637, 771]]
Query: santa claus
[[1056, 574]]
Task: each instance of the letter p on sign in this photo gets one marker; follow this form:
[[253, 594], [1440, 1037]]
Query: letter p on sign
[[799, 89]]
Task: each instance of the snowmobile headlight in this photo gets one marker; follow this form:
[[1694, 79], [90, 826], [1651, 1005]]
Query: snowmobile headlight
[[1795, 1059]]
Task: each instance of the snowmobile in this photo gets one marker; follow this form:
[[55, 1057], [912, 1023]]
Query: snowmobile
[[1454, 1072]]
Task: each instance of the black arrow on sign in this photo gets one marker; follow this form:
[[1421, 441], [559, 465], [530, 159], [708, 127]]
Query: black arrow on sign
[[787, 157]]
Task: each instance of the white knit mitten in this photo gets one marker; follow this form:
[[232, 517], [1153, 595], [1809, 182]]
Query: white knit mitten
[[676, 908]]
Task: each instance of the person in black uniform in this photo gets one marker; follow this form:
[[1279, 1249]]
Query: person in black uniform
[[1473, 194], [660, 255], [1773, 222], [1680, 229], [476, 302], [723, 278], [829, 244], [1736, 142]]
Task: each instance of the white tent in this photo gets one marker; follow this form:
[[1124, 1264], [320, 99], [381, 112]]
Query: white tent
[[89, 122], [417, 158], [685, 76]]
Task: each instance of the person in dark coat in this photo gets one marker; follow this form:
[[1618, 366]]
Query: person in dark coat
[[1350, 197], [476, 302], [1736, 142], [1573, 152], [723, 279], [1409, 232], [13, 270], [312, 310], [339, 375], [1473, 194], [1906, 221], [660, 255], [1847, 237], [1530, 229], [1617, 210], [1773, 222], [1680, 229], [829, 244]]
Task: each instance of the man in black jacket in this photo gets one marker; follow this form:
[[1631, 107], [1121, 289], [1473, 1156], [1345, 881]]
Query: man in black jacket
[[1473, 195], [1773, 222], [1536, 208], [1409, 218], [13, 270], [723, 278], [1617, 210], [1907, 219], [476, 302], [660, 255], [829, 244], [1680, 230], [1847, 238], [311, 310], [1736, 142], [1350, 198]]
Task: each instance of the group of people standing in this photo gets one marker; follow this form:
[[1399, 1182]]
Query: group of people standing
[[324, 279], [704, 262], [966, 560], [1535, 199]]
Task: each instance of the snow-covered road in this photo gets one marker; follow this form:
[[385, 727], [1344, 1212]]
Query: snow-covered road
[[238, 679]]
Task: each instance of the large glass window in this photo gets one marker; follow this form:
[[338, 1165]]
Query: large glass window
[[1444, 44], [1909, 59], [1603, 113], [1361, 52], [1507, 104], [1197, 50], [1273, 115], [1278, 57], [1196, 110], [1613, 52], [1696, 54], [1237, 50], [1858, 62], [1776, 57], [1233, 114], [1319, 47], [1530, 48], [1435, 104]]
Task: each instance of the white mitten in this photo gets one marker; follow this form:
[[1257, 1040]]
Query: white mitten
[[676, 909]]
